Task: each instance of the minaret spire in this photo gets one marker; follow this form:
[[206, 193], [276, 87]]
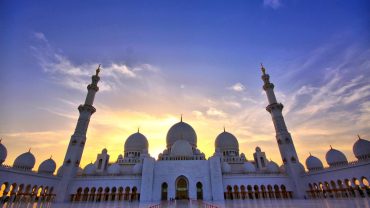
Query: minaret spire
[[98, 70], [263, 69], [78, 139], [283, 137]]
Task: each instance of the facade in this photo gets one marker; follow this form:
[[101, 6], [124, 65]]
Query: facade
[[182, 171]]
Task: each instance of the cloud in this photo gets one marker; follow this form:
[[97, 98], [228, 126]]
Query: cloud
[[275, 4], [215, 112], [70, 75], [237, 87], [40, 36]]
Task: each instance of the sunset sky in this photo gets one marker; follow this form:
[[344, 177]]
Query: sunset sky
[[161, 59]]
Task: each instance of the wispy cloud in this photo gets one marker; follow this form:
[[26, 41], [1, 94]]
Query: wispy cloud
[[74, 76], [275, 4], [238, 87]]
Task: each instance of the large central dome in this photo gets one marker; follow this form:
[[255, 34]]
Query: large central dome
[[181, 131]]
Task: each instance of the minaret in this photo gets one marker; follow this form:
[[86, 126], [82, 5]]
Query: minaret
[[283, 137], [78, 139]]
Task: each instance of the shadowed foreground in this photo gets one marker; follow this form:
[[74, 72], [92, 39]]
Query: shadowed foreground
[[360, 203]]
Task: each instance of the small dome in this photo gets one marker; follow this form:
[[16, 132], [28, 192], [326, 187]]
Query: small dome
[[226, 141], [258, 149], [25, 161], [335, 157], [361, 149], [226, 168], [120, 157], [48, 166], [181, 148], [89, 169], [248, 167], [136, 142], [313, 163], [3, 153], [181, 131], [272, 167], [104, 151], [114, 169], [137, 168]]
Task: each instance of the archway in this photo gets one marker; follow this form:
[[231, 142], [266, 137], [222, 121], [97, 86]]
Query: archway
[[182, 188], [199, 191], [164, 191]]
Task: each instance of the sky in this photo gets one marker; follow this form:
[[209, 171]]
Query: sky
[[201, 59]]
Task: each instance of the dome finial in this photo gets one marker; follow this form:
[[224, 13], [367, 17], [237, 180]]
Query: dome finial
[[310, 153], [357, 136], [263, 69], [181, 118], [1, 140], [98, 70], [29, 150], [331, 147], [138, 129], [224, 129], [51, 156]]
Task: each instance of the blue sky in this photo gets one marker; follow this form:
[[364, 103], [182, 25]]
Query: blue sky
[[198, 58]]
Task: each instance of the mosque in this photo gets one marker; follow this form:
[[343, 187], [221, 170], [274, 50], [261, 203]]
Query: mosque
[[182, 171]]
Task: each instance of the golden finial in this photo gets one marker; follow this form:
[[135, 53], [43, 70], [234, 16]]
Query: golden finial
[[98, 70], [331, 147], [224, 129], [29, 150], [138, 129], [263, 69], [310, 153], [181, 118], [357, 136], [51, 156]]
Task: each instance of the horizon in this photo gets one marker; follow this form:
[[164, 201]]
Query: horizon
[[200, 60]]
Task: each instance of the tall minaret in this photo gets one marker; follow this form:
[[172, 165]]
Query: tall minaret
[[283, 137], [78, 139]]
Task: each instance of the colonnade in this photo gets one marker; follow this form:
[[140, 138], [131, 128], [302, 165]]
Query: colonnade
[[257, 192], [93, 194], [25, 193], [339, 189]]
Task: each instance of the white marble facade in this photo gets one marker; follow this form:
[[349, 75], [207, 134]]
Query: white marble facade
[[182, 170]]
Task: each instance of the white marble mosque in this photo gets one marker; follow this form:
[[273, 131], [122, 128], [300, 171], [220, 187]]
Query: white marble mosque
[[182, 171]]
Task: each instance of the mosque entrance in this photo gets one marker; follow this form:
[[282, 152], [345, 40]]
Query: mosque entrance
[[182, 191]]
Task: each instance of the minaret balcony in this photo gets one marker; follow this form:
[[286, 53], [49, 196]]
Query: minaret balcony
[[93, 87], [268, 85], [274, 106], [88, 108]]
